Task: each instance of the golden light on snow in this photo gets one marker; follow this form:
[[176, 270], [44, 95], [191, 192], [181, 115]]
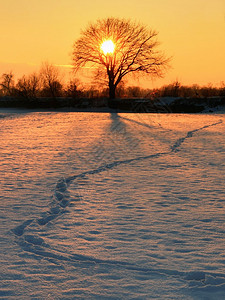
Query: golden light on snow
[[108, 47]]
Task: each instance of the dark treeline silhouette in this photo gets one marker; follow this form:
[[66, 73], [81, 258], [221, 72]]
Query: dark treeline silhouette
[[48, 83], [47, 89], [176, 89]]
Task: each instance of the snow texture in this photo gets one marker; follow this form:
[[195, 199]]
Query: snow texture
[[112, 206]]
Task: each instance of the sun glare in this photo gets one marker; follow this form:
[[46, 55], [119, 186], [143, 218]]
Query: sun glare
[[108, 47]]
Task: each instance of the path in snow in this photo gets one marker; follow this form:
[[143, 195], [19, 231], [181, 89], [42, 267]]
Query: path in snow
[[61, 195], [105, 230]]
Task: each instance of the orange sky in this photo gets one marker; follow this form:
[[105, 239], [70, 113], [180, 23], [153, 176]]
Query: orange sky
[[191, 31]]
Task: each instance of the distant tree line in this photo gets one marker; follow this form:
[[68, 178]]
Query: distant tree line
[[48, 82], [176, 89]]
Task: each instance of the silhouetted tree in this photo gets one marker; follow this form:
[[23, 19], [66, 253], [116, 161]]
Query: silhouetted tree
[[73, 89], [28, 86], [50, 78], [135, 51], [134, 91], [7, 84], [172, 90]]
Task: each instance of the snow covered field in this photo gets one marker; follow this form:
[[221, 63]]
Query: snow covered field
[[112, 206]]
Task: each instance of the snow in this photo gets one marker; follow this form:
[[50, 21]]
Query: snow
[[112, 205]]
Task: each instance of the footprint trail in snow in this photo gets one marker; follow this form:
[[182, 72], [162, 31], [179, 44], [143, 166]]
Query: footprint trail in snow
[[60, 204]]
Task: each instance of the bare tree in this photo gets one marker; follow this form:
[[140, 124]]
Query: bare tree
[[73, 88], [117, 47], [7, 84], [28, 86], [50, 79]]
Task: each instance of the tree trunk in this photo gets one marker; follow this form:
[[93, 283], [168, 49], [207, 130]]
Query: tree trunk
[[112, 91]]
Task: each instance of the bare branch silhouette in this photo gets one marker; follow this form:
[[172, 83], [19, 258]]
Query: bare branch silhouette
[[28, 86], [50, 77], [7, 84], [135, 50]]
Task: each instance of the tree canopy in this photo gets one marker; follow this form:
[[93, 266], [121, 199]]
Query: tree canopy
[[132, 48]]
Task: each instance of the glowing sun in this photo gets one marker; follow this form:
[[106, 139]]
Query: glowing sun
[[108, 47]]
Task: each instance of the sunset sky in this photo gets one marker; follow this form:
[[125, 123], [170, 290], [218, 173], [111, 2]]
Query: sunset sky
[[191, 31]]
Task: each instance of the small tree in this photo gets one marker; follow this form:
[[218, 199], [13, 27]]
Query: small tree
[[116, 48], [73, 88], [50, 78], [28, 86], [7, 84]]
